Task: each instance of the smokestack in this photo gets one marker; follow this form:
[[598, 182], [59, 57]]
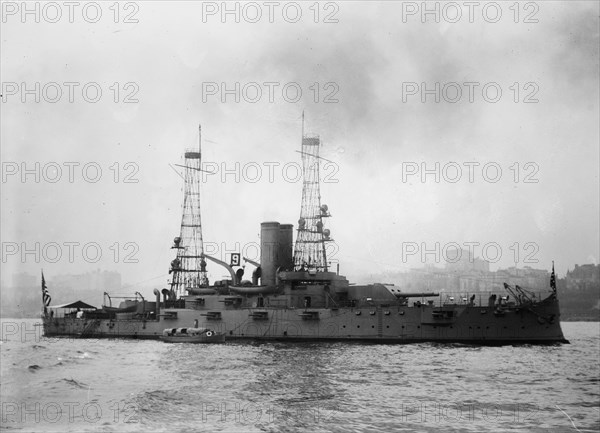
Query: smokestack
[[286, 246], [157, 307], [269, 252], [165, 293]]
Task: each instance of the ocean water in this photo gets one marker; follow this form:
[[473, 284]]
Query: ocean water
[[74, 385]]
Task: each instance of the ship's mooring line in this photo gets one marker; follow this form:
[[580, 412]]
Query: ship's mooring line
[[572, 423]]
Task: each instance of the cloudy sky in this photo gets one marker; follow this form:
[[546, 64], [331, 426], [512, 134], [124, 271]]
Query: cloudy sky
[[367, 72]]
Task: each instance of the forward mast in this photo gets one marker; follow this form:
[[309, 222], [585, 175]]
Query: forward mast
[[189, 267]]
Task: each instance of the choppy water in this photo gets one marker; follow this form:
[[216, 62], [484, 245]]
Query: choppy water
[[127, 385]]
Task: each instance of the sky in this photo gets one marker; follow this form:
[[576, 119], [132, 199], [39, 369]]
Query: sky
[[505, 96]]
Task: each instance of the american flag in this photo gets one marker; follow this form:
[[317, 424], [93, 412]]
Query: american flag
[[553, 279], [45, 295]]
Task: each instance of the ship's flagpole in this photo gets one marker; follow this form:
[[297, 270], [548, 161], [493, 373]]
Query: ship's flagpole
[[45, 295], [553, 279], [203, 277]]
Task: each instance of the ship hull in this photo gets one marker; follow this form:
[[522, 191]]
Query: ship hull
[[536, 324]]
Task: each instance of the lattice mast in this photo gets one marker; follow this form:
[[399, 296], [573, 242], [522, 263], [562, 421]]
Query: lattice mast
[[310, 249], [189, 268]]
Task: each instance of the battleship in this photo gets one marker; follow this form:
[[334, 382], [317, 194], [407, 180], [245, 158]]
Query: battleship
[[295, 295]]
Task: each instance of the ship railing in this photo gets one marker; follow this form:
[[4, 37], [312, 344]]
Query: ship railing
[[68, 313], [347, 303], [56, 314], [71, 313], [484, 299], [136, 297]]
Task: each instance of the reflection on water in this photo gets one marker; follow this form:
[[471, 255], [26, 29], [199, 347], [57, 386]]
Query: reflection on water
[[128, 385]]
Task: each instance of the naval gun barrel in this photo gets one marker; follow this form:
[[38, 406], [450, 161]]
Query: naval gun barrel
[[416, 295]]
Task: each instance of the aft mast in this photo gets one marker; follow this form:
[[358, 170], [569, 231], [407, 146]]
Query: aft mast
[[310, 249], [189, 268]]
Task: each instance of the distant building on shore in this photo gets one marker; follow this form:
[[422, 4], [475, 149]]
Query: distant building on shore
[[583, 277], [459, 260], [468, 275]]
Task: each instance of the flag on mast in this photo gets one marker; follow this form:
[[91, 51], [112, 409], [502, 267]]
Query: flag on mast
[[45, 295], [553, 279]]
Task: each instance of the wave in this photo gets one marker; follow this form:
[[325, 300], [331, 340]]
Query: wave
[[75, 383]]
